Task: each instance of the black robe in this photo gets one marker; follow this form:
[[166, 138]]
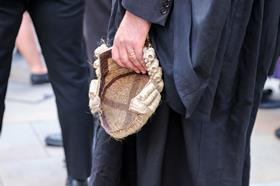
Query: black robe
[[216, 55], [96, 19]]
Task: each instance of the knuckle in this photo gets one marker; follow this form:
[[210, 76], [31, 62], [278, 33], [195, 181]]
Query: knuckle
[[117, 42], [121, 40]]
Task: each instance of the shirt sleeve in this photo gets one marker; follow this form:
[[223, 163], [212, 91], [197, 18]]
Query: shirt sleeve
[[154, 11]]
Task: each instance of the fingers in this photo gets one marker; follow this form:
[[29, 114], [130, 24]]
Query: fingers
[[127, 57], [139, 56], [129, 42], [126, 54], [116, 56], [133, 58], [119, 55]]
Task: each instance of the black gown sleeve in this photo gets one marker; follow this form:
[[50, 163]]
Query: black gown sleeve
[[155, 11]]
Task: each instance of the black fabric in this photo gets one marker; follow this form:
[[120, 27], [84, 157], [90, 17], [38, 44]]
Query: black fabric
[[216, 56], [59, 28], [97, 14], [210, 31], [171, 150], [153, 11]]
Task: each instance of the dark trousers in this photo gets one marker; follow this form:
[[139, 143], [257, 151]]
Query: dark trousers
[[58, 24]]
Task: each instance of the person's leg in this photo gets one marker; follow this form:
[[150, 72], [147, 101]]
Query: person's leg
[[10, 19], [59, 28], [96, 13], [26, 44]]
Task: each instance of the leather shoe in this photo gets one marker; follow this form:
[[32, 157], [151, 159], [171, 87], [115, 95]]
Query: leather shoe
[[38, 79], [277, 133], [54, 140], [267, 102], [73, 182]]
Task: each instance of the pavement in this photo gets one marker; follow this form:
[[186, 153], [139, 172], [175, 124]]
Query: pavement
[[31, 115]]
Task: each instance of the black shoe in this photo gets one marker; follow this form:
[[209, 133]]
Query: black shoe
[[277, 133], [267, 102], [270, 104], [73, 182], [38, 79], [54, 140]]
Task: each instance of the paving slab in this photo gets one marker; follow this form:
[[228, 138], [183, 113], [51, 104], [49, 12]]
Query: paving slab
[[33, 172], [29, 117], [1, 183], [267, 184], [44, 128], [265, 147], [26, 104], [18, 142]]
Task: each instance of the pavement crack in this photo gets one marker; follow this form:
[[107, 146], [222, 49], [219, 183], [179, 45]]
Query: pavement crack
[[31, 102]]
